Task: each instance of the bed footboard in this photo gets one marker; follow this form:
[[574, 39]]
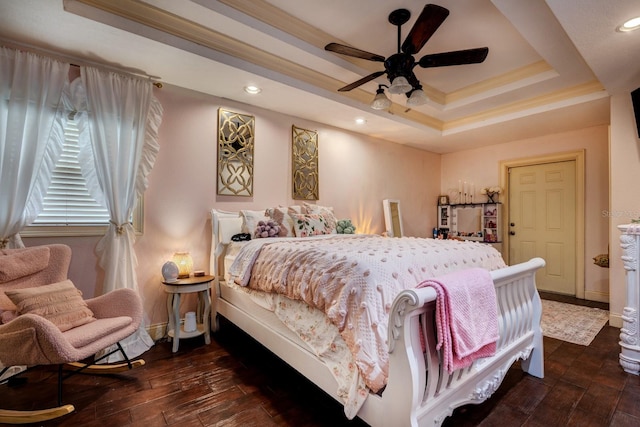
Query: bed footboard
[[419, 392]]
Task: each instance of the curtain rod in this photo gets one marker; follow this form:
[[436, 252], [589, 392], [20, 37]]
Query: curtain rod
[[78, 62], [156, 84]]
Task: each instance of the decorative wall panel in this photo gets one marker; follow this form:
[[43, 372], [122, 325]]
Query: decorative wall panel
[[236, 136], [305, 164]]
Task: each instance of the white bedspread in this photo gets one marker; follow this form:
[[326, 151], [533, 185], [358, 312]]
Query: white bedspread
[[354, 280]]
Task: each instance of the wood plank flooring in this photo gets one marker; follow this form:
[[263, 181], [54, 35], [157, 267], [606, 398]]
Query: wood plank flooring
[[235, 382]]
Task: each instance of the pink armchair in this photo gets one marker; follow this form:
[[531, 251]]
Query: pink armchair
[[31, 339]]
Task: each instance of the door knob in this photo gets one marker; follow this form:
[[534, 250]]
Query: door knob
[[513, 224], [513, 233]]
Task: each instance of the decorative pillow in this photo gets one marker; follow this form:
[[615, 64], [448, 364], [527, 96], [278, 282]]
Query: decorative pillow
[[61, 303], [228, 227], [281, 215], [250, 220], [306, 225], [267, 229], [22, 262], [325, 211]]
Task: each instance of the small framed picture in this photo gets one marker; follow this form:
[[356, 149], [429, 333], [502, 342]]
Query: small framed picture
[[443, 200]]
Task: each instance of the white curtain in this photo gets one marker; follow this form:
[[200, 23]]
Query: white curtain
[[31, 136], [123, 120]]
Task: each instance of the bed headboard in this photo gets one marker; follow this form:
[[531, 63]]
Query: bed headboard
[[224, 225]]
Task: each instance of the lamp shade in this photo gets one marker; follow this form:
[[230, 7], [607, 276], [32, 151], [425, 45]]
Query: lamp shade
[[418, 97], [399, 85], [185, 264], [380, 102]]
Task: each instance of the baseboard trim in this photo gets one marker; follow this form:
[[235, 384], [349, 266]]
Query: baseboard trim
[[596, 296], [157, 331], [615, 320]]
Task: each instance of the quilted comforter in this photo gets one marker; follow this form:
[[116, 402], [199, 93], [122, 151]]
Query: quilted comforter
[[354, 279]]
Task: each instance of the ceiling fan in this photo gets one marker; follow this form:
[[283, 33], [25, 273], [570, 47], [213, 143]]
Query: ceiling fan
[[399, 66]]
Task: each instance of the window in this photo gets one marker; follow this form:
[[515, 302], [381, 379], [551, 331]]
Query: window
[[68, 208]]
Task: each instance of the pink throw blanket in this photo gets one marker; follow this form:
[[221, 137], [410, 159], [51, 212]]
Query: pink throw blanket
[[466, 316]]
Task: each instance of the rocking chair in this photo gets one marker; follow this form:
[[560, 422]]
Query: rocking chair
[[28, 339]]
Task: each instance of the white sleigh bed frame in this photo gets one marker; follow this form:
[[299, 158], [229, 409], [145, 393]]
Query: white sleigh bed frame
[[418, 391]]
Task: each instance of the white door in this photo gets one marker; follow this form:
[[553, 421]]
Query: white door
[[542, 218]]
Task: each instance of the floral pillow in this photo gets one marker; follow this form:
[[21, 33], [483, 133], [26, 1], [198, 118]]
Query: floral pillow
[[306, 225], [325, 211]]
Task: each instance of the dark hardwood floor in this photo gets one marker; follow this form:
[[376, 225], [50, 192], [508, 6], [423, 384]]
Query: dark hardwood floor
[[235, 382]]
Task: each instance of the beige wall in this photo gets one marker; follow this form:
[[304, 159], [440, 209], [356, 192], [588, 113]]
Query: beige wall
[[481, 166], [624, 197], [356, 174]]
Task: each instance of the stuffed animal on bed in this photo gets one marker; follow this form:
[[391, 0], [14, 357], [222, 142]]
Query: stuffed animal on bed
[[344, 226], [267, 229]]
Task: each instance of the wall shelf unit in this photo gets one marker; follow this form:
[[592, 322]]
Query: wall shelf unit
[[491, 217], [472, 221], [444, 215]]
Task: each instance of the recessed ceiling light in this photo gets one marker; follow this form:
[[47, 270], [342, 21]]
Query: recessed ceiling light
[[253, 90], [360, 121], [630, 25]]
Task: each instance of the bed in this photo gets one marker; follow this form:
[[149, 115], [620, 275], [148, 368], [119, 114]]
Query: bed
[[407, 384]]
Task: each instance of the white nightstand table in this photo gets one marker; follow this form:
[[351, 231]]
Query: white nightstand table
[[201, 285]]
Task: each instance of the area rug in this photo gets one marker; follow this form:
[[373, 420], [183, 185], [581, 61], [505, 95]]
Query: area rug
[[572, 323]]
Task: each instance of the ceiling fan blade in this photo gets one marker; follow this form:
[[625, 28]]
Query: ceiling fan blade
[[361, 81], [458, 57], [352, 51], [431, 17]]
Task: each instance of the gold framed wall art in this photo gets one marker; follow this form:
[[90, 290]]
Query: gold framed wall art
[[236, 134], [305, 164]]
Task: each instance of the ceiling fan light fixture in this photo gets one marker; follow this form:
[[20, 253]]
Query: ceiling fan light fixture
[[399, 85], [399, 66], [380, 101], [417, 97]]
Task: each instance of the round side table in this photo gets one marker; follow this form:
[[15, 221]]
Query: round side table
[[174, 290]]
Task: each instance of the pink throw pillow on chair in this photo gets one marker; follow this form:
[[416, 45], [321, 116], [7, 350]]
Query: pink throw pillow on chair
[[61, 303]]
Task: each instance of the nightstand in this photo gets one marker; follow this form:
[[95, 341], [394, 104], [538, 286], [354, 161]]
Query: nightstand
[[201, 285]]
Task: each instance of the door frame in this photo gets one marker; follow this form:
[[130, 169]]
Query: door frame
[[578, 157]]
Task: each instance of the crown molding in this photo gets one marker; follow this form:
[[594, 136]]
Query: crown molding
[[167, 22]]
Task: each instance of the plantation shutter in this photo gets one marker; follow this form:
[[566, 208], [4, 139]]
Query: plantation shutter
[[68, 201]]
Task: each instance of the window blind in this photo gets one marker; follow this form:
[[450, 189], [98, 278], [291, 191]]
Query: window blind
[[68, 201]]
